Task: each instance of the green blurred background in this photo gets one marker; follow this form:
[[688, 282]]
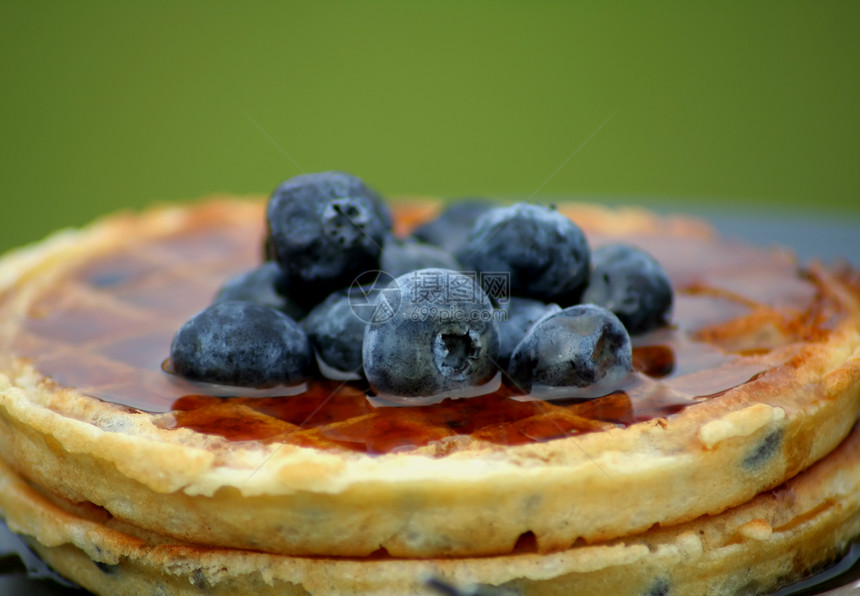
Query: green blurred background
[[105, 105]]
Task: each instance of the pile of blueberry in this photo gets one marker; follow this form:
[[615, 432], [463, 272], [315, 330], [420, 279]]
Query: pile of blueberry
[[485, 293]]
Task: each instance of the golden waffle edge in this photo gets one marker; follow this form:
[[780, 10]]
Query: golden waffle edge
[[774, 539]]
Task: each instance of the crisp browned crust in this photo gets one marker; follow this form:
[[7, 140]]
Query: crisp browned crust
[[457, 497]]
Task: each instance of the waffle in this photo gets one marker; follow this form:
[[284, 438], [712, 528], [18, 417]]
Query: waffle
[[757, 378], [776, 538]]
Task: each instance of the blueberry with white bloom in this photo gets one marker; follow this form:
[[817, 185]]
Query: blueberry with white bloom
[[325, 229], [336, 333], [577, 348], [441, 341], [632, 284], [544, 252], [242, 344]]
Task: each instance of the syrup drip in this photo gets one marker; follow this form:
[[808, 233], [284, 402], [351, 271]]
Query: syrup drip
[[107, 330]]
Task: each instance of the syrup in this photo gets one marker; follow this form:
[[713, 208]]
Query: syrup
[[107, 330]]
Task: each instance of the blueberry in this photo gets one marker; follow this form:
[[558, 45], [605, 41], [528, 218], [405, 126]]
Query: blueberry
[[544, 252], [325, 229], [241, 344], [336, 333], [266, 285], [450, 230], [520, 315], [579, 347], [442, 341], [632, 284], [402, 256]]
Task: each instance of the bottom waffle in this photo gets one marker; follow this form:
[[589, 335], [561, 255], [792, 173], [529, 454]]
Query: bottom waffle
[[776, 538]]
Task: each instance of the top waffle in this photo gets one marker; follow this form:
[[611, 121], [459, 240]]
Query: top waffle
[[757, 378]]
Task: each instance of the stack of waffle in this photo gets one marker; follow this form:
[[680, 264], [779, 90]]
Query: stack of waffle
[[730, 465]]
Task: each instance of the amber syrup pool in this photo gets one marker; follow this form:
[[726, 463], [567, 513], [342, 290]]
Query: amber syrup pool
[[106, 329]]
